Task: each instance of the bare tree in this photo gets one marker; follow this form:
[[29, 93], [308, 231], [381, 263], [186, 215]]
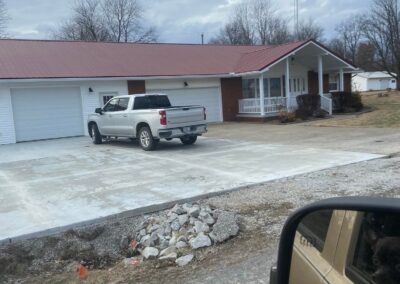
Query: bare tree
[[366, 57], [86, 23], [254, 22], [124, 21], [4, 18], [307, 29], [350, 34], [270, 28], [106, 20], [336, 44], [231, 33], [382, 29]]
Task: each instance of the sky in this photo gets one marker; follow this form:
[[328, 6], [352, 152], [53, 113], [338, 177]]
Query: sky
[[181, 21]]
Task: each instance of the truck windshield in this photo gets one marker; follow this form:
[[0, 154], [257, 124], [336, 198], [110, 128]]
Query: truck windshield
[[148, 102]]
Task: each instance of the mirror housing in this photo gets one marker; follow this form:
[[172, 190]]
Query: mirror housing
[[281, 273], [99, 110]]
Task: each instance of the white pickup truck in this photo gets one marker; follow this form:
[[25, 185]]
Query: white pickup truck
[[148, 117]]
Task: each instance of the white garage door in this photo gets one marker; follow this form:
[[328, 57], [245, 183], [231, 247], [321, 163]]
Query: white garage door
[[207, 97], [384, 84], [43, 113]]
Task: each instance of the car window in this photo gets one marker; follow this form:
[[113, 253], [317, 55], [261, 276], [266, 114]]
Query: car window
[[111, 105], [314, 228], [377, 251], [148, 102], [122, 104]]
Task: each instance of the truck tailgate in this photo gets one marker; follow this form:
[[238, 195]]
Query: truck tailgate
[[185, 115]]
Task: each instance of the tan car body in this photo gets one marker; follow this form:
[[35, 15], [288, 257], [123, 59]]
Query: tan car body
[[309, 265]]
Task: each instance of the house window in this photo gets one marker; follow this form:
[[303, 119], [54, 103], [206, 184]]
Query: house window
[[275, 87], [333, 82], [297, 85], [251, 88], [105, 97]]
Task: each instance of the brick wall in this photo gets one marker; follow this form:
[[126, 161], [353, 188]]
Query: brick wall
[[231, 90]]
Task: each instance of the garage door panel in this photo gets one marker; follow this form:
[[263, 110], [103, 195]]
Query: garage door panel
[[207, 97], [43, 113]]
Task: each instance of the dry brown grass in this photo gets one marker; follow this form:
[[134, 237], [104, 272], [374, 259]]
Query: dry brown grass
[[385, 112]]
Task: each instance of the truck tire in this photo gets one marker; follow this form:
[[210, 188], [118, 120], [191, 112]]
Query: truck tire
[[95, 134], [188, 139], [146, 139]]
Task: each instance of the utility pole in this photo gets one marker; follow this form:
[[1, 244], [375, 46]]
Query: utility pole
[[296, 17], [202, 38]]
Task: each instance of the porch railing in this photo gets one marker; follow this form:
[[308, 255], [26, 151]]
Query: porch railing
[[274, 104], [271, 105], [249, 106], [326, 103]]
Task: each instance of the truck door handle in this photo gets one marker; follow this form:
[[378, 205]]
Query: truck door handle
[[125, 115]]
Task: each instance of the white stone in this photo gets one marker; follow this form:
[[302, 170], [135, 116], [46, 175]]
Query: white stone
[[149, 252], [201, 227], [200, 241], [182, 219], [181, 244], [168, 250], [171, 256], [175, 226], [184, 260], [194, 211]]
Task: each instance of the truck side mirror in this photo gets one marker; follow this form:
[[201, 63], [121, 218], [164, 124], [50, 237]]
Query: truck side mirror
[[367, 229], [99, 110]]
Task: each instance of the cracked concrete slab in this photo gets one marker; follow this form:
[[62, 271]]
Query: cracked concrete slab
[[54, 183]]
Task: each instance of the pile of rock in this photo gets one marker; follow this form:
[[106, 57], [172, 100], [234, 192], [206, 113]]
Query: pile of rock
[[185, 227]]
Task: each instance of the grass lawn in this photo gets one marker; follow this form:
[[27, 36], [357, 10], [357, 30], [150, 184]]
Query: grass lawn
[[385, 112]]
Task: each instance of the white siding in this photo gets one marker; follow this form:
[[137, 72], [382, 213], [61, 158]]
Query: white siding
[[362, 84], [359, 83], [179, 84], [91, 101], [373, 84], [7, 131]]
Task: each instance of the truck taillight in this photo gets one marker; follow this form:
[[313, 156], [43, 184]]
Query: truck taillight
[[204, 112], [163, 117]]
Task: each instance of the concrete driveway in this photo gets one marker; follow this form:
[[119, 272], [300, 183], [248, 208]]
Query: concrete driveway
[[53, 183]]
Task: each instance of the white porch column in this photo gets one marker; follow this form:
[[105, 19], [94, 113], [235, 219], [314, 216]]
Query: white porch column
[[341, 80], [262, 95], [287, 83], [320, 76]]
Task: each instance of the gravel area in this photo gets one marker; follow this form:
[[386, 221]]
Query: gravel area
[[261, 209]]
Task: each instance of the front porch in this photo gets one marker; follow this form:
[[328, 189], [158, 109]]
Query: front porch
[[272, 106], [309, 70]]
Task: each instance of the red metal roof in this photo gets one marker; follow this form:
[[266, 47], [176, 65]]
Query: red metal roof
[[78, 59]]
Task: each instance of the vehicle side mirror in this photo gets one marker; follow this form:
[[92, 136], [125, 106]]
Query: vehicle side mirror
[[346, 240], [99, 110]]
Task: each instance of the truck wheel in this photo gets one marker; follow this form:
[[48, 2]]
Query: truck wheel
[[95, 133], [146, 140], [189, 139]]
